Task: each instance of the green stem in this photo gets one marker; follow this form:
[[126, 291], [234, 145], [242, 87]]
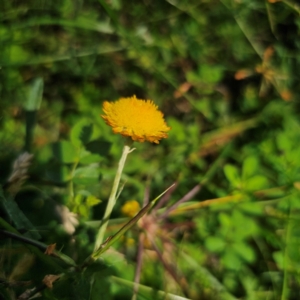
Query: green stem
[[112, 197], [286, 260], [111, 239], [71, 184], [44, 258], [14, 234]]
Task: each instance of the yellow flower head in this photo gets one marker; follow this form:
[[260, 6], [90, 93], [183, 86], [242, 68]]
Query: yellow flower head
[[139, 119], [130, 208]]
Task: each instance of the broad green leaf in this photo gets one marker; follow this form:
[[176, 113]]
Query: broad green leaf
[[210, 73], [17, 54], [232, 174], [256, 183], [101, 284], [99, 146], [279, 259], [215, 244], [245, 226], [244, 251], [83, 210], [250, 166], [284, 142], [252, 208], [58, 173], [45, 154], [86, 175], [83, 204], [225, 220], [92, 200], [65, 152], [88, 158], [177, 133], [231, 260], [81, 133]]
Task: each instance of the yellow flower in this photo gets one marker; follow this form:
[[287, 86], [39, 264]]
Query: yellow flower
[[139, 119], [130, 208]]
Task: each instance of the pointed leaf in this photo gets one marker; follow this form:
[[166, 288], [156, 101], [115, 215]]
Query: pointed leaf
[[64, 152], [99, 146], [110, 240], [232, 174], [35, 95], [81, 133], [17, 216]]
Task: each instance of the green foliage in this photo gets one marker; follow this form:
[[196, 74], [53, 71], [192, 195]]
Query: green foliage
[[225, 75]]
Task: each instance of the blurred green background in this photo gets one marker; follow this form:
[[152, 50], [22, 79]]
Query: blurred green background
[[225, 74]]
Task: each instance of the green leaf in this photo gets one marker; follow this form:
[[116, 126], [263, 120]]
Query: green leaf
[[279, 259], [90, 159], [99, 146], [293, 241], [81, 287], [231, 260], [58, 173], [32, 106], [92, 200], [232, 174], [252, 208], [17, 216], [177, 133], [250, 166], [87, 158], [17, 54], [45, 154], [256, 183], [244, 251], [245, 226], [86, 175], [83, 210], [225, 220], [81, 133], [35, 95], [101, 284], [284, 142], [210, 73], [215, 244], [65, 152], [84, 196]]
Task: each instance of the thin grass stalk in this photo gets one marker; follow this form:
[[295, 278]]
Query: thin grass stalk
[[139, 264], [112, 198], [140, 252], [185, 198]]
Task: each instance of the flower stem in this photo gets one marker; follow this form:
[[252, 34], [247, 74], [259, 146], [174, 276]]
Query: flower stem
[[112, 197]]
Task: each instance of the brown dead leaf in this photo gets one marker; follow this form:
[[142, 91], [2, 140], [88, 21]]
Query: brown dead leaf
[[286, 95], [50, 249], [269, 52], [49, 279], [242, 74], [183, 88], [297, 185]]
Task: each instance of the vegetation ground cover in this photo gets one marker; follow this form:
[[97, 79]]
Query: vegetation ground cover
[[225, 75]]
